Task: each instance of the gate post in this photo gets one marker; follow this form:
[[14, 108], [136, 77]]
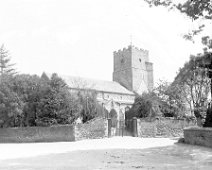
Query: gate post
[[135, 132], [109, 127]]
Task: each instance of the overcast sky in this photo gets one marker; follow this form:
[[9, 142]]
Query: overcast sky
[[78, 37]]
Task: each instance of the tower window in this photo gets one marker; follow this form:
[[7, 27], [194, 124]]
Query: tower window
[[139, 59]]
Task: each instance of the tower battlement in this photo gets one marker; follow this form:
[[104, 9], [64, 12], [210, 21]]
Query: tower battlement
[[122, 51], [130, 47]]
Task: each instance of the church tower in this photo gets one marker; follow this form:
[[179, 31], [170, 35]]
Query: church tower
[[133, 70]]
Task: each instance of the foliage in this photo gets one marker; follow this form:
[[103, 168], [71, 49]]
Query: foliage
[[89, 105], [195, 84], [10, 105], [171, 99], [55, 101], [30, 100], [192, 8], [191, 83], [165, 100], [146, 105], [208, 119], [190, 88], [165, 3], [28, 88], [5, 66], [195, 9], [47, 101]]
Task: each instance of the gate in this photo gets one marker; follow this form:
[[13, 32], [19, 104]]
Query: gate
[[127, 127]]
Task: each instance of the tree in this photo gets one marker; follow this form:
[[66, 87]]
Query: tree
[[192, 8], [89, 105], [195, 9], [45, 101], [195, 82], [55, 104], [5, 66], [28, 88], [11, 105], [171, 99], [30, 100], [145, 105], [44, 77], [208, 119], [86, 100]]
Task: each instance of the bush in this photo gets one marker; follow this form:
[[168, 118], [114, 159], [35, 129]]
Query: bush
[[146, 105], [181, 140], [208, 120]]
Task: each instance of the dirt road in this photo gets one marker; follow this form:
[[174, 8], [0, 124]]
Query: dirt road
[[115, 153]]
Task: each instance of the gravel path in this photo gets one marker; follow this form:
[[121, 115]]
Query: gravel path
[[106, 154], [10, 151]]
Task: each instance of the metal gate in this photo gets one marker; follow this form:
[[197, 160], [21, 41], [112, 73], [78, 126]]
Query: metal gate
[[127, 127]]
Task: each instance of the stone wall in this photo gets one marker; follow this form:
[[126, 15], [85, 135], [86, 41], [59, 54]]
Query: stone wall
[[96, 128], [162, 127], [198, 136], [37, 134]]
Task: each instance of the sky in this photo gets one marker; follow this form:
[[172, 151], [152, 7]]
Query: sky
[[78, 38]]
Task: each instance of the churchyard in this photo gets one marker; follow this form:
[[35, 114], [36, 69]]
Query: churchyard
[[56, 121]]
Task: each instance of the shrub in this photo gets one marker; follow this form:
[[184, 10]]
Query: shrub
[[208, 120], [181, 140]]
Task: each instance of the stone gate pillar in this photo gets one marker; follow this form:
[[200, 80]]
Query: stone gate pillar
[[109, 127]]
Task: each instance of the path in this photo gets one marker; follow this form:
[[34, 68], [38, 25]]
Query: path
[[113, 153]]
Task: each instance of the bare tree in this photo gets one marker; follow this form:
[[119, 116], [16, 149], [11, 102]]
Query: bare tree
[[195, 83]]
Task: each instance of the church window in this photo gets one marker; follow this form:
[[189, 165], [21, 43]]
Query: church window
[[140, 60], [122, 60]]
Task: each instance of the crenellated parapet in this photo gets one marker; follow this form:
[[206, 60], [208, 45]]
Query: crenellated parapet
[[141, 50], [124, 50], [129, 48]]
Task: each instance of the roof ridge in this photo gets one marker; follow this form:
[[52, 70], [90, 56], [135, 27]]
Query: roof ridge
[[95, 84]]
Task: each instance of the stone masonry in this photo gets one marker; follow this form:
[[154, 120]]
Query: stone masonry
[[133, 70]]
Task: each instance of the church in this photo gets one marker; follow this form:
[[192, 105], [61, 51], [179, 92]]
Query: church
[[132, 74]]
